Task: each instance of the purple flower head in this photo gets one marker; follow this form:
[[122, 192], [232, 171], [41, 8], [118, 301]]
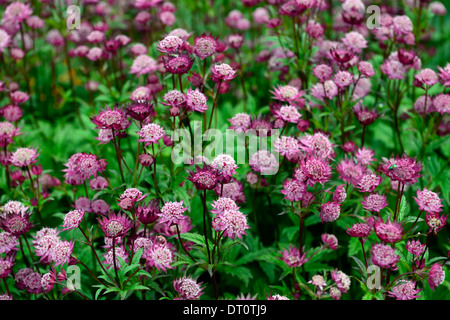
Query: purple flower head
[[149, 212], [359, 230], [404, 290], [415, 247], [342, 280], [114, 119], [316, 170], [339, 194], [222, 72], [140, 110], [72, 219], [205, 178], [196, 100], [143, 64], [293, 258], [151, 133], [388, 232], [374, 202], [435, 222], [293, 190], [188, 288], [232, 222], [179, 63], [172, 212], [428, 201], [330, 240], [205, 46], [330, 211], [402, 169], [436, 276], [368, 182], [115, 225], [384, 256]]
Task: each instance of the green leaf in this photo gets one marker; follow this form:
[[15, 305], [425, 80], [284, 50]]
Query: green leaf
[[402, 210]]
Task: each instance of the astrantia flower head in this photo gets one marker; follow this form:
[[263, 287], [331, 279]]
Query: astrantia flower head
[[428, 200], [330, 240], [389, 232], [293, 190], [350, 171], [188, 288], [293, 258], [205, 178], [366, 69], [115, 119], [8, 242], [17, 12], [61, 252], [222, 72], [173, 212], [240, 122], [129, 197], [119, 252], [288, 113], [151, 133], [196, 100], [276, 297], [287, 93], [441, 104], [264, 162], [160, 255], [384, 256], [179, 63], [232, 189], [403, 169], [14, 208], [435, 222], [11, 113], [24, 157], [318, 281], [436, 276], [205, 46], [82, 166], [342, 55], [355, 41], [317, 144], [359, 230], [426, 77], [174, 98], [232, 222], [225, 166], [115, 225], [341, 279], [315, 170], [343, 79], [394, 69], [374, 202], [16, 224], [287, 146], [170, 44], [330, 211], [364, 115], [222, 204], [143, 64], [322, 72], [148, 213], [6, 265], [7, 132], [404, 290], [72, 219], [140, 110], [415, 247], [339, 194], [368, 182]]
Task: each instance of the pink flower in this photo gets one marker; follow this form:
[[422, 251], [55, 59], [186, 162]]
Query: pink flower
[[178, 64], [115, 225], [330, 240], [393, 69], [293, 190], [444, 75], [19, 97], [225, 165], [365, 156], [240, 122], [317, 144], [374, 202], [263, 161], [339, 194], [188, 288], [196, 100], [160, 255], [205, 46], [384, 256], [173, 212], [232, 222], [350, 171], [355, 41], [5, 40], [170, 44], [342, 280], [330, 211], [426, 77], [17, 12], [368, 182], [366, 69], [436, 276], [222, 204], [402, 169], [434, 222], [404, 290], [389, 232], [23, 157], [428, 201], [288, 113], [343, 79], [151, 133], [315, 170], [415, 247], [8, 242], [222, 72], [293, 258], [402, 25], [288, 94], [204, 178], [441, 103], [115, 119], [359, 230], [143, 64], [322, 72], [72, 219]]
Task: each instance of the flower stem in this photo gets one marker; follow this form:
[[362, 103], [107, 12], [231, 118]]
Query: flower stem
[[214, 104], [204, 225], [182, 244]]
